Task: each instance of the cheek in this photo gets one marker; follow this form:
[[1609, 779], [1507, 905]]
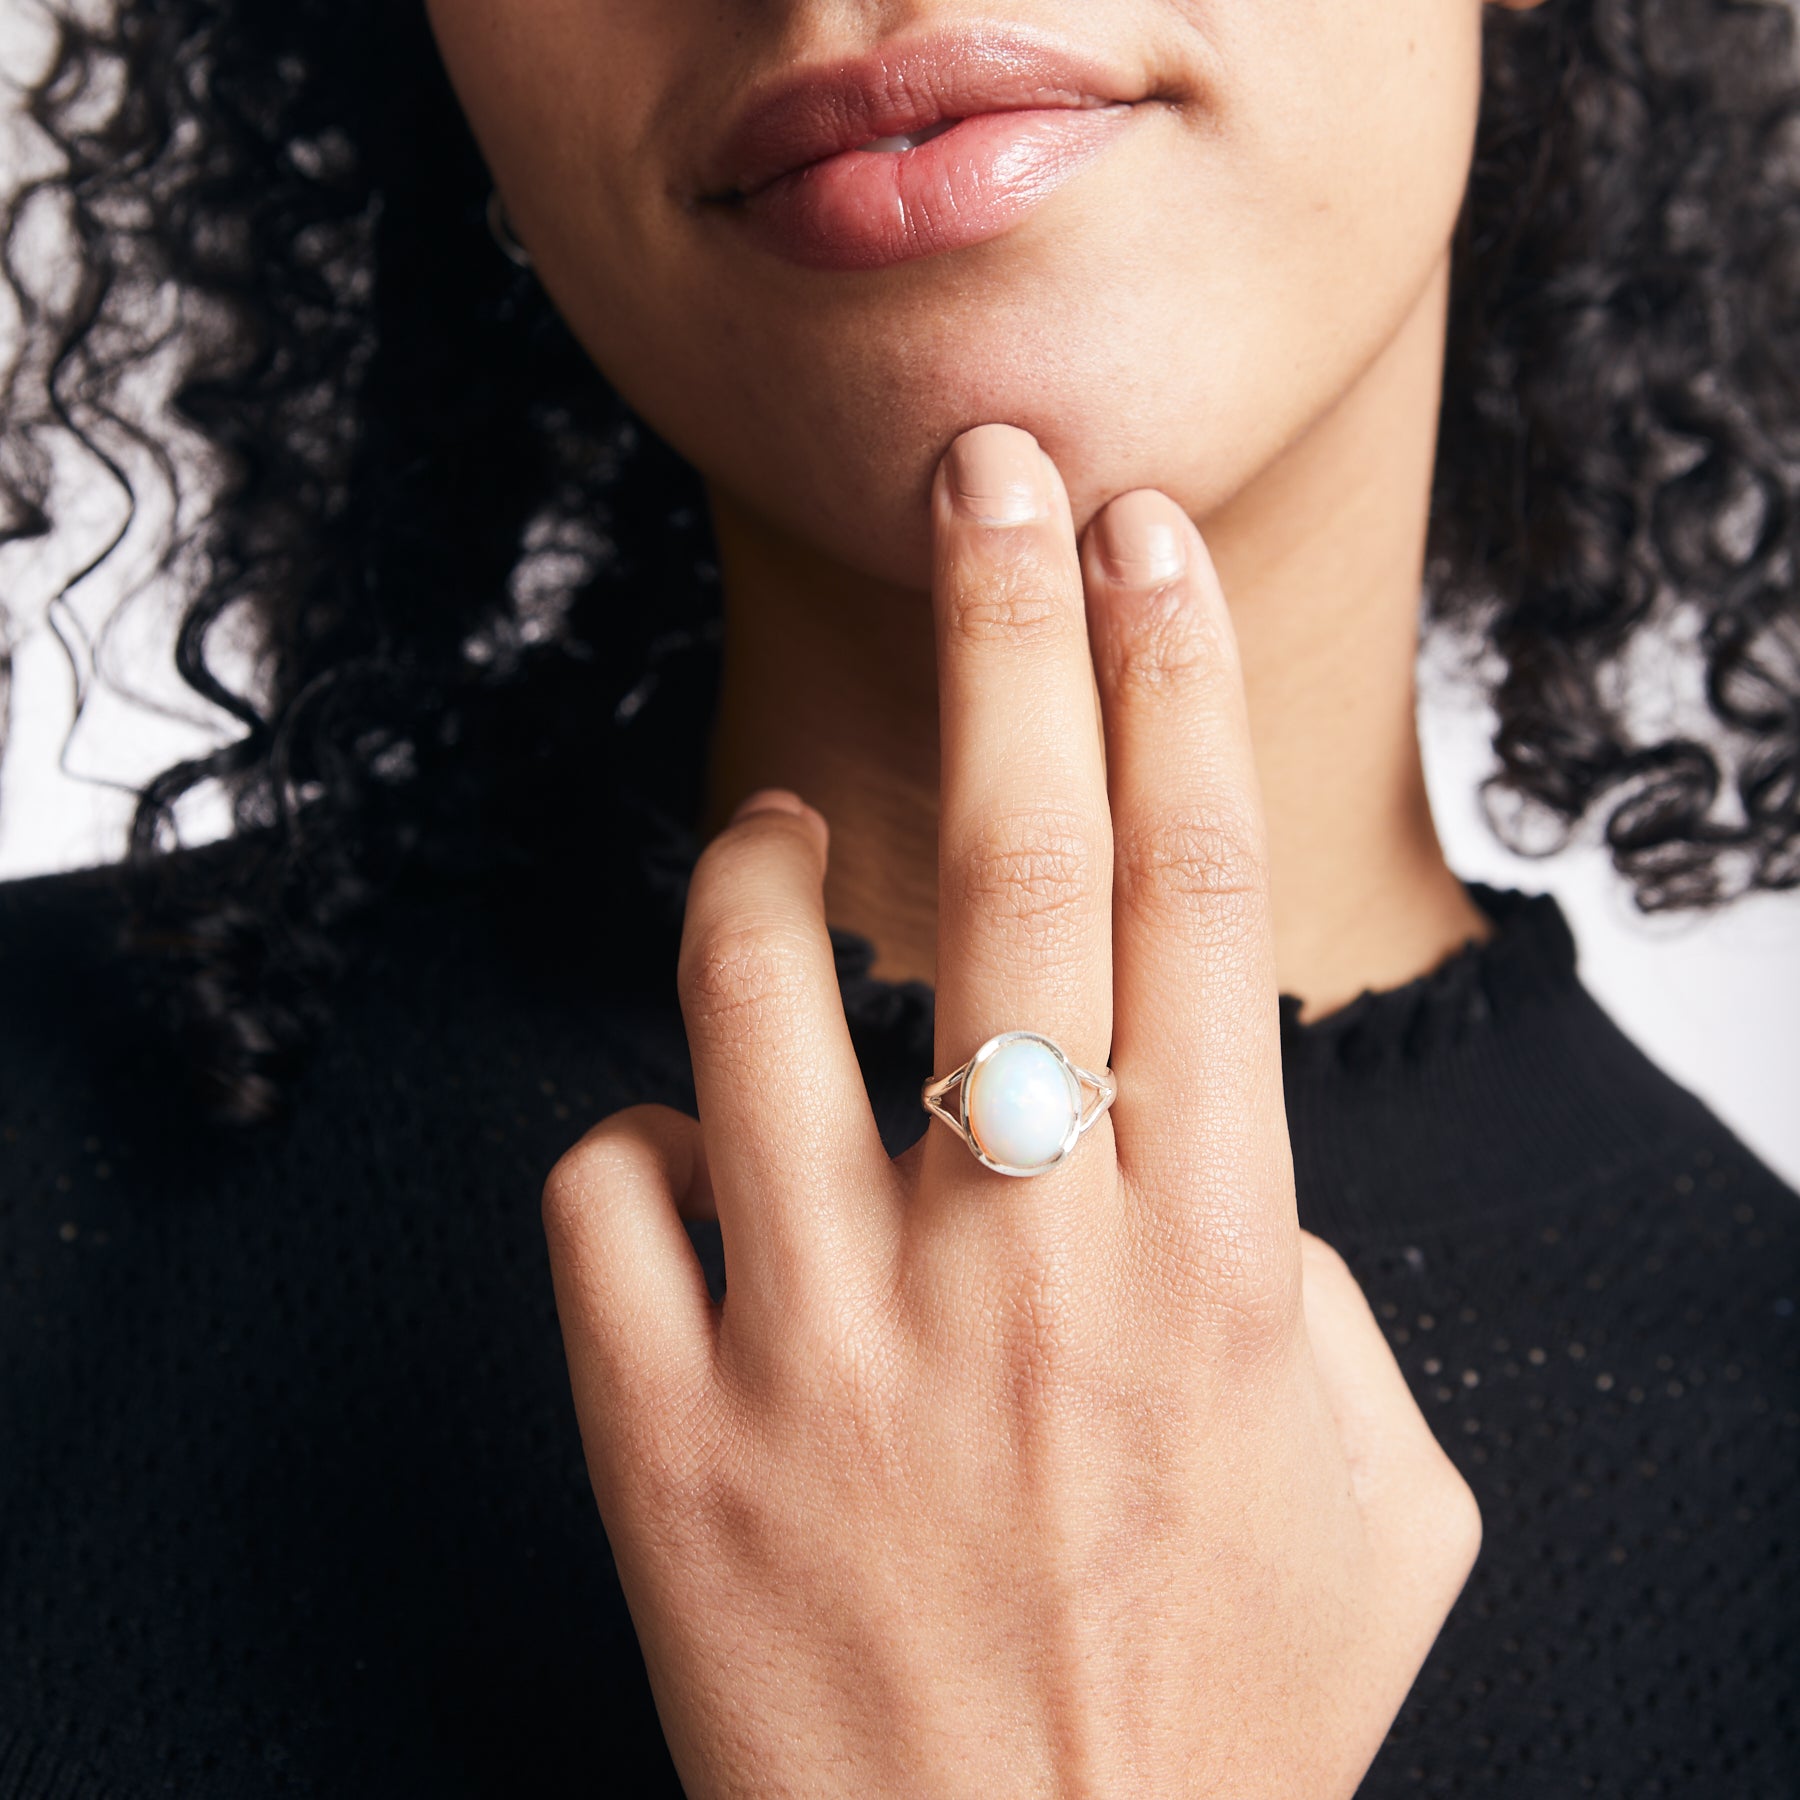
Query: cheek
[[1176, 319], [558, 94]]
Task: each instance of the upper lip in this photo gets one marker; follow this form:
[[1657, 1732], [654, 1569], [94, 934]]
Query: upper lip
[[805, 115]]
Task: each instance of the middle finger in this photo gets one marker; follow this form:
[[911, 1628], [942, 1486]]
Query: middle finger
[[1024, 835]]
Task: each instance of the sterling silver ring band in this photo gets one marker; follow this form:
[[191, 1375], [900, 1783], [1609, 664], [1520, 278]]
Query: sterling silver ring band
[[1019, 1102]]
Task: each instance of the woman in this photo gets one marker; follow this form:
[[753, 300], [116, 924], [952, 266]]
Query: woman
[[1075, 397]]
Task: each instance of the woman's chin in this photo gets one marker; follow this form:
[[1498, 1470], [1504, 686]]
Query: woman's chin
[[862, 500]]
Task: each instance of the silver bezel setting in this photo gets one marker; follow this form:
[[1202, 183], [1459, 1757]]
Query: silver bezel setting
[[1085, 1109]]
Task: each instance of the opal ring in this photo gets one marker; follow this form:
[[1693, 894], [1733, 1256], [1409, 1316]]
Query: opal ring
[[1020, 1103]]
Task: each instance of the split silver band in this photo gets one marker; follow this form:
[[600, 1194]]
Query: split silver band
[[1019, 1103]]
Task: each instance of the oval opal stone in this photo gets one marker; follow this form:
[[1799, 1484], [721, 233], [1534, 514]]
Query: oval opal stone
[[1022, 1102]]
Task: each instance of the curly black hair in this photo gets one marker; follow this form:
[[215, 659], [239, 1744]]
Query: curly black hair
[[437, 513]]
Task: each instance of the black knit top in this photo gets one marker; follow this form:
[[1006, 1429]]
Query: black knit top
[[292, 1499]]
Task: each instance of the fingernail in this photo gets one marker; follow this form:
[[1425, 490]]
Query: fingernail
[[770, 800], [999, 476], [1142, 539]]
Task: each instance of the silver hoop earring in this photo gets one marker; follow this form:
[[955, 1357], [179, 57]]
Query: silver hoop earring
[[501, 231]]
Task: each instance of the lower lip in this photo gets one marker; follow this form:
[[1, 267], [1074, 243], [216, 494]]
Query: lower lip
[[866, 209]]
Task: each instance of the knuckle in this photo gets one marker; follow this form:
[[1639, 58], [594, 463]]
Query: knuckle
[[749, 853], [1446, 1527], [1254, 1310], [562, 1203], [1160, 644], [570, 1189], [608, 1162], [1009, 605], [742, 971], [1433, 1507], [1464, 1529], [1033, 868], [1194, 859], [1232, 1277]]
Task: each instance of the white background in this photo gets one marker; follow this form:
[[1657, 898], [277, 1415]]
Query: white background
[[1716, 1000]]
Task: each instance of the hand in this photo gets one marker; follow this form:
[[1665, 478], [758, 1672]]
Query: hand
[[1100, 1482]]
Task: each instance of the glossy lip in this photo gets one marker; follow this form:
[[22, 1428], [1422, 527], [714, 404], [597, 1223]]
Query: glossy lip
[[866, 210], [809, 115]]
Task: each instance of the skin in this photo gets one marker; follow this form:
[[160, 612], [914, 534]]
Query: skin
[[1105, 1482], [1262, 341], [1101, 1482]]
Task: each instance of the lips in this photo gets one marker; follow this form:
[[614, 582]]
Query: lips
[[914, 149]]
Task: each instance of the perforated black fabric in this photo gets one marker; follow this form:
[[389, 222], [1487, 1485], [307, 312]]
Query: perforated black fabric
[[291, 1495]]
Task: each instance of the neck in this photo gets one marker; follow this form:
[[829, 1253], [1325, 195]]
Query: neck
[[828, 687]]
